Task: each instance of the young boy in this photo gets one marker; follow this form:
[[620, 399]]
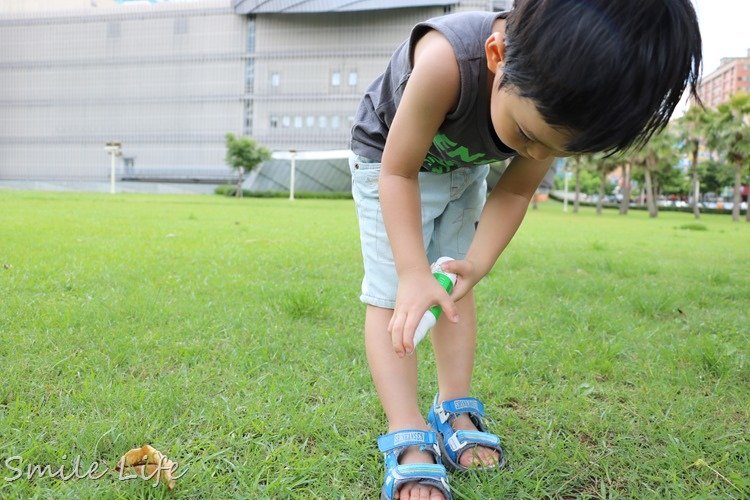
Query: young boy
[[550, 78]]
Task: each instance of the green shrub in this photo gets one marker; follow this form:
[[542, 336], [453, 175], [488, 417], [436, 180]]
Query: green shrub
[[229, 190], [694, 226]]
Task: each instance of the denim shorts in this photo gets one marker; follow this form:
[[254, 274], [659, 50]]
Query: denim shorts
[[451, 205]]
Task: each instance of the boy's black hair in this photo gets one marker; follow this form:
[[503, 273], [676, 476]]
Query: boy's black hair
[[610, 71]]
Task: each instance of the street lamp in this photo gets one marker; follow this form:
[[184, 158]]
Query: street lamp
[[114, 149], [292, 169], [566, 178]]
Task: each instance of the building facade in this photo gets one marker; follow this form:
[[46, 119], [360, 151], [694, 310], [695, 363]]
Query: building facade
[[732, 76], [168, 79], [164, 80]]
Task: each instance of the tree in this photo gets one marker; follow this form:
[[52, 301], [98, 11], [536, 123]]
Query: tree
[[601, 165], [243, 155], [627, 184], [577, 177], [671, 181], [715, 176], [691, 128], [657, 155], [729, 134], [588, 179]]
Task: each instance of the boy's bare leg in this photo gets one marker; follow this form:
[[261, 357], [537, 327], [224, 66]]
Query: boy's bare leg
[[454, 345], [396, 382]]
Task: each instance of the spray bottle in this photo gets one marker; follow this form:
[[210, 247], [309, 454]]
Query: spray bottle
[[447, 281]]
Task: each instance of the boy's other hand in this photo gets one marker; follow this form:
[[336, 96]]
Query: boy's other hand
[[467, 275], [417, 292]]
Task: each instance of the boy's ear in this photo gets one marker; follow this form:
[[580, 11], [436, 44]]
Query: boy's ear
[[494, 49]]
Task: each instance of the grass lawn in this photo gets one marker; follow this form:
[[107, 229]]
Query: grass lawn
[[613, 351]]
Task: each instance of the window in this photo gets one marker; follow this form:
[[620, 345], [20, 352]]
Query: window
[[336, 78], [335, 121], [286, 121], [352, 78], [248, 117], [181, 26], [275, 79], [310, 121], [297, 121], [250, 34], [274, 122], [113, 29], [500, 5], [323, 121]]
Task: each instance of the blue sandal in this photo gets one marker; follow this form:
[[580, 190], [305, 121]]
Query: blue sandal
[[394, 445], [453, 443]]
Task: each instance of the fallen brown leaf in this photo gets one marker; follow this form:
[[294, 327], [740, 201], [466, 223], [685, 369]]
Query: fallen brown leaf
[[146, 461]]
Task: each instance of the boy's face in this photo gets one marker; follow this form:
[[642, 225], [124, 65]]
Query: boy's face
[[519, 125], [515, 119]]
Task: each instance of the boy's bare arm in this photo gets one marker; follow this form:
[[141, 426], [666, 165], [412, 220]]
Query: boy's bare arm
[[500, 219], [430, 94]]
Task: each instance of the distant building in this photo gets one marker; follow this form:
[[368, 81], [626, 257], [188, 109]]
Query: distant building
[[168, 79], [732, 76]]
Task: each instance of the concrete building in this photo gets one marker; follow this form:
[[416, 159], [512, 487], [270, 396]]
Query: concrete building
[[732, 76], [168, 79]]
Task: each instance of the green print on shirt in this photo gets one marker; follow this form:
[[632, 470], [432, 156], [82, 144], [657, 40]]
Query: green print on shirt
[[452, 149]]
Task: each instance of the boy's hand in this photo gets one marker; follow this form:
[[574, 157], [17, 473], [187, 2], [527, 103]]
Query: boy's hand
[[467, 276], [417, 292]]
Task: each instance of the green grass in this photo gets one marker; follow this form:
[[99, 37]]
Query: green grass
[[613, 351]]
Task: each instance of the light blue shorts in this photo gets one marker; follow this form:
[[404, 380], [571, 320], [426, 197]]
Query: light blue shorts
[[451, 204]]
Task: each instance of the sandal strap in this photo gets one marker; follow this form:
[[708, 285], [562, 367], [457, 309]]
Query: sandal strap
[[451, 408], [463, 405], [406, 438], [461, 440], [456, 442], [428, 474], [394, 444]]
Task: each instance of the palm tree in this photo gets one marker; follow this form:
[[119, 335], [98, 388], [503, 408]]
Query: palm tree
[[658, 153], [729, 134], [577, 177], [626, 187], [691, 129], [601, 165]]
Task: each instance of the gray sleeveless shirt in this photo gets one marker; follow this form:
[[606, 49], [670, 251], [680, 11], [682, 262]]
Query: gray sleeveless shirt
[[466, 137]]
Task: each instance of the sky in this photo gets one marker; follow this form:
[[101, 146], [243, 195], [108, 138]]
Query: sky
[[725, 28]]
